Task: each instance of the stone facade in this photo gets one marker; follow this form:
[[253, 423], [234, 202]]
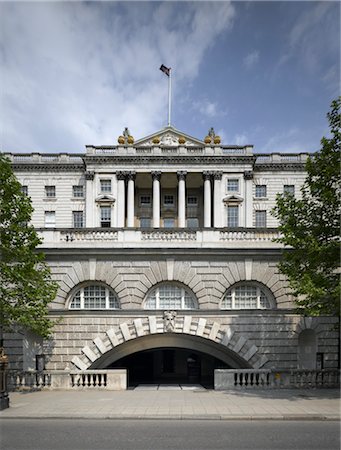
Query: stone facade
[[195, 216]]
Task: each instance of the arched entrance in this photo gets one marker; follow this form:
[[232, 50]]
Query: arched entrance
[[170, 358], [183, 347]]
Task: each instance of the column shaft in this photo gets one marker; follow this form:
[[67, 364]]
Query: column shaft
[[120, 199], [207, 199], [89, 200], [156, 199], [217, 203], [131, 199], [181, 199]]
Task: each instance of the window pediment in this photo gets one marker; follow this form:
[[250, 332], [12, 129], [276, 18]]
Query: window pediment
[[235, 198], [105, 199]]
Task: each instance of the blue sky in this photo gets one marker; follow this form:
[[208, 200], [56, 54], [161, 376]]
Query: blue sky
[[77, 73]]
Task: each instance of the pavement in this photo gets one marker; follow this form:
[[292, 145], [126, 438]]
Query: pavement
[[176, 402]]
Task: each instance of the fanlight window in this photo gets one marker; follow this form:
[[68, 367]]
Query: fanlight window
[[246, 297], [94, 297], [169, 296]]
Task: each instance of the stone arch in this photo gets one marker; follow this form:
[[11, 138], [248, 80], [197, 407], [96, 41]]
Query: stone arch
[[250, 270], [209, 332]]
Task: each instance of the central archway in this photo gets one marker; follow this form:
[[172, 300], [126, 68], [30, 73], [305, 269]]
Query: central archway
[[182, 332], [170, 358]]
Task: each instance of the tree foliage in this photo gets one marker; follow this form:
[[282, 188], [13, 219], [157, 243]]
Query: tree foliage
[[26, 286], [311, 226]]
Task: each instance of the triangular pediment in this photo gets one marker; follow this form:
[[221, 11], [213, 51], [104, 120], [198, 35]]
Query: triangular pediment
[[168, 137]]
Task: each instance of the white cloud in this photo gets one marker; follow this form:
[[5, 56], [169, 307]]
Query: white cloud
[[251, 59], [304, 43], [78, 73]]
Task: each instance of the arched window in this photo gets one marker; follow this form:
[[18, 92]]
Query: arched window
[[170, 296], [247, 296], [94, 296]]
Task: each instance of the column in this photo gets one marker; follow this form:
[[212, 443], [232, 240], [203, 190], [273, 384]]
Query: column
[[121, 198], [131, 199], [248, 202], [181, 199], [217, 203], [156, 176], [207, 199], [89, 200]]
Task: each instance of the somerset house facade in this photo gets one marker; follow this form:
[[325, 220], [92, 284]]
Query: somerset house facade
[[163, 249]]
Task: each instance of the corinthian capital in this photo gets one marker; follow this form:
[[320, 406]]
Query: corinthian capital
[[181, 174], [156, 175]]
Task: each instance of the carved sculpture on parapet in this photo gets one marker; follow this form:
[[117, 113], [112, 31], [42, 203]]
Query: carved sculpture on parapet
[[125, 138], [169, 321], [212, 138]]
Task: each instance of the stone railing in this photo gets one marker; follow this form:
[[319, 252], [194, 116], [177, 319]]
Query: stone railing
[[89, 235], [275, 379], [165, 235], [149, 237], [34, 158], [111, 380], [300, 158], [249, 235]]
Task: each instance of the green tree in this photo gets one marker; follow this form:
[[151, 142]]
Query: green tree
[[311, 227], [26, 286]]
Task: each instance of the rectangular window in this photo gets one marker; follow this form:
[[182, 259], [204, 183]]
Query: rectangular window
[[192, 222], [260, 219], [261, 190], [169, 222], [78, 219], [50, 191], [289, 189], [78, 191], [105, 216], [145, 200], [24, 190], [145, 222], [233, 216], [192, 200], [232, 185], [105, 186], [50, 219], [168, 200]]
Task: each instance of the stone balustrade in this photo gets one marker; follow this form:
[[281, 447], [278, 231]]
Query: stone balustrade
[[111, 380], [275, 379], [194, 238], [260, 158], [283, 158]]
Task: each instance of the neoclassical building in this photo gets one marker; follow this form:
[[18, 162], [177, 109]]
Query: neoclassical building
[[164, 253]]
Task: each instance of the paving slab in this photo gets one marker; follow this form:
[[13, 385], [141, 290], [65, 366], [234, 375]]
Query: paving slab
[[191, 402]]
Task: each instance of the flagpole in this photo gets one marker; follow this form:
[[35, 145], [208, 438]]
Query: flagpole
[[169, 96]]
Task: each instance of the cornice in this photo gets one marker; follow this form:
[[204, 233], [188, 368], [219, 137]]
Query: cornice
[[169, 159], [279, 167], [60, 167]]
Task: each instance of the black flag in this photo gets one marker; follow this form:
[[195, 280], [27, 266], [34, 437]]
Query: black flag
[[165, 70]]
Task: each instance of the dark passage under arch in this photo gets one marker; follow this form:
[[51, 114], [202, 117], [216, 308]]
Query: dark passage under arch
[[170, 358]]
